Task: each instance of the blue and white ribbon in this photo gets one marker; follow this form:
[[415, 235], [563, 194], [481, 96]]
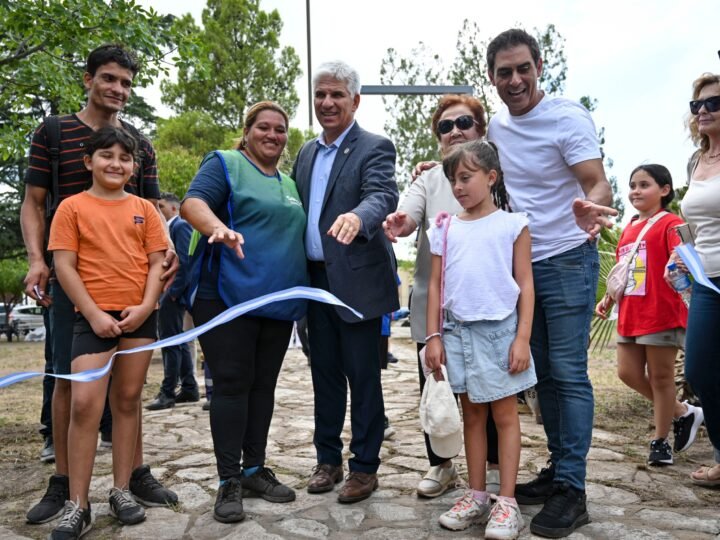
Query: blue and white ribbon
[[692, 260], [295, 293]]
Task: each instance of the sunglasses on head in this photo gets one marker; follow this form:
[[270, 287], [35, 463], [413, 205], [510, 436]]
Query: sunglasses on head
[[712, 104], [461, 122]]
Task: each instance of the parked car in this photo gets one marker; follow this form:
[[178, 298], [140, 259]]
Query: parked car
[[24, 319]]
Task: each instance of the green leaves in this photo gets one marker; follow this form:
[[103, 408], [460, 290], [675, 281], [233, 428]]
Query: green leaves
[[235, 61]]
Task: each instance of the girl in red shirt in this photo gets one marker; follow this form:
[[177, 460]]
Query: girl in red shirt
[[652, 317]]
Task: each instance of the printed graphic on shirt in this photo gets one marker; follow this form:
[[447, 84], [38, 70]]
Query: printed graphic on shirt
[[139, 220], [637, 271]]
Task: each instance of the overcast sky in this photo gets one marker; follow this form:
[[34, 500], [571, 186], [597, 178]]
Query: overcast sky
[[637, 58]]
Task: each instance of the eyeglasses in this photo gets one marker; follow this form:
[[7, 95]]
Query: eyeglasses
[[461, 122], [712, 104]]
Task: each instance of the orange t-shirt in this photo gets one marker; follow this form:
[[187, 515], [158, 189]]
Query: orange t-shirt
[[112, 239]]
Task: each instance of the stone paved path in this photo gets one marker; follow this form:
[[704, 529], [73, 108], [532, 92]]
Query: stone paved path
[[626, 499]]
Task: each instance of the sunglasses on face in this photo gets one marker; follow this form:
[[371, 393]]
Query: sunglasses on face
[[712, 104], [461, 122]]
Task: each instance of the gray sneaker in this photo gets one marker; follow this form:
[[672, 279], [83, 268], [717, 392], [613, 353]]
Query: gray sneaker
[[148, 491], [228, 503], [125, 508], [264, 484], [47, 454]]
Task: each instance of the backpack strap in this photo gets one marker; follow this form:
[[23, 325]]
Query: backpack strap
[[52, 134]]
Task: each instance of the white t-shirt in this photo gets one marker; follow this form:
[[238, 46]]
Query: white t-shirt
[[479, 283], [536, 151]]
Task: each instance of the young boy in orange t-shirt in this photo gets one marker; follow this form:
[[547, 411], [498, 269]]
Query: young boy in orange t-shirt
[[108, 247]]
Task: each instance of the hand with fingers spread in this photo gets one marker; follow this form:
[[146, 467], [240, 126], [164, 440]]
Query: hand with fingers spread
[[398, 224], [346, 228], [592, 217], [233, 240]]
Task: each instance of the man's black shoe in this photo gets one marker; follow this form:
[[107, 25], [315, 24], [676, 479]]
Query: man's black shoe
[[161, 402], [228, 504], [52, 504], [538, 490], [563, 512], [187, 397]]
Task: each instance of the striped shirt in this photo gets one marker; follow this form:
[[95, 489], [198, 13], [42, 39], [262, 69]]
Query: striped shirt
[[73, 177]]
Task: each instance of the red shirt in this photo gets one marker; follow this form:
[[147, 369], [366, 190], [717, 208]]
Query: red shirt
[[650, 305]]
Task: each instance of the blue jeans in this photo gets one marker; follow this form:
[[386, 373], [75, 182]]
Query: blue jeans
[[565, 288], [702, 362]]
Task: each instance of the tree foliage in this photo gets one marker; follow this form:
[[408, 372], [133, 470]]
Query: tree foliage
[[43, 48], [240, 63], [12, 273]]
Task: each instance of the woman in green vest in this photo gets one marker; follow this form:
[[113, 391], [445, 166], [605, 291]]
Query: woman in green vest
[[253, 224]]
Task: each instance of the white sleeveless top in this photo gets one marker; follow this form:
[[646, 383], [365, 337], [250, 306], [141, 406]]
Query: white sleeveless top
[[701, 209]]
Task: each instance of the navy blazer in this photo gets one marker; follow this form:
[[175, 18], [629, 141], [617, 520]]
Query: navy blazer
[[362, 181], [180, 232]]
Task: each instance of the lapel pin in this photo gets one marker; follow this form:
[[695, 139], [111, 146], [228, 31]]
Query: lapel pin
[[346, 151]]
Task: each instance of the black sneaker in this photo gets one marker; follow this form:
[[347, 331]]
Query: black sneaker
[[75, 523], [538, 490], [106, 440], [660, 453], [47, 454], [685, 428], [187, 397], [148, 491], [206, 405], [228, 504], [264, 484], [562, 513], [161, 402], [125, 508], [52, 504]]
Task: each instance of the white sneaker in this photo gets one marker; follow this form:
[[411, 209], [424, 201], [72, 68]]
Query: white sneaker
[[467, 511], [437, 481], [506, 521], [492, 481]]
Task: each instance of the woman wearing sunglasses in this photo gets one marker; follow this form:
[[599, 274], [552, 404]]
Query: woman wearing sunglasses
[[701, 208], [457, 119]]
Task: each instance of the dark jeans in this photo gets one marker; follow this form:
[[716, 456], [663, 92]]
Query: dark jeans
[[345, 354], [565, 286], [245, 356], [48, 382], [490, 431], [702, 367], [177, 361]]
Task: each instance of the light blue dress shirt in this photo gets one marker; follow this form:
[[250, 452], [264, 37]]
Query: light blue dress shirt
[[318, 185]]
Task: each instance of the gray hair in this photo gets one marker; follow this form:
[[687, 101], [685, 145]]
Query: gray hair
[[339, 71]]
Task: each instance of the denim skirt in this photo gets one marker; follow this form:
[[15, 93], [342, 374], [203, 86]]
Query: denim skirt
[[477, 359]]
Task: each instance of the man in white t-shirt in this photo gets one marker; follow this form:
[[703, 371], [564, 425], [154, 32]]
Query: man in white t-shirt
[[553, 171]]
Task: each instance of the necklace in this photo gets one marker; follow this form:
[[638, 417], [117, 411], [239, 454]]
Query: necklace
[[711, 158]]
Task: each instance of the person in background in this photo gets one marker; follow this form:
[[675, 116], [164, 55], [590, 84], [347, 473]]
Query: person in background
[[652, 316], [177, 362]]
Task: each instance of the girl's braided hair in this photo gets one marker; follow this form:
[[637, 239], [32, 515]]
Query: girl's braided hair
[[479, 154]]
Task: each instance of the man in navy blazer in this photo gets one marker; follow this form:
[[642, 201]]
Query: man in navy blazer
[[177, 361], [346, 179]]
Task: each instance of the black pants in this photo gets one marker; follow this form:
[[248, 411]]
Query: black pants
[[491, 432], [245, 356]]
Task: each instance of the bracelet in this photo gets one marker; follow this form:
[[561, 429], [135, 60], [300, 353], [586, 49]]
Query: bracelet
[[434, 334]]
